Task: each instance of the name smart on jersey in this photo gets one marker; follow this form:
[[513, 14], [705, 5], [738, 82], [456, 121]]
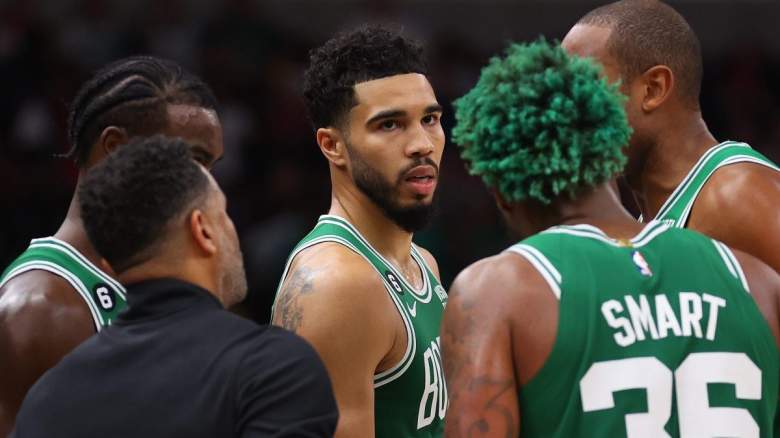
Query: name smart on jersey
[[633, 317]]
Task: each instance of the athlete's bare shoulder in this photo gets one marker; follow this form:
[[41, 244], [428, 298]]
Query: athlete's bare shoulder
[[738, 206], [326, 278], [47, 300], [764, 283], [42, 318], [505, 289]]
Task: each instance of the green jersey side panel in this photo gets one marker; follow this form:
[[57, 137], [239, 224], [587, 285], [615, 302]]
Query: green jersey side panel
[[104, 296], [410, 398], [677, 208], [657, 337]]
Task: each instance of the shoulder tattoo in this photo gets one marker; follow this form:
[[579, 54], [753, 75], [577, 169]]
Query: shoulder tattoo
[[289, 311]]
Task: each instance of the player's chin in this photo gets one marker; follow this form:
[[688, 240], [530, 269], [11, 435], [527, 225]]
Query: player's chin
[[417, 200]]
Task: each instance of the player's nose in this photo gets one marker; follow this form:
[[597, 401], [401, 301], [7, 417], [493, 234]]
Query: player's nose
[[420, 144]]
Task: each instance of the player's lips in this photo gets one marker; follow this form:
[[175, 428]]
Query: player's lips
[[421, 179]]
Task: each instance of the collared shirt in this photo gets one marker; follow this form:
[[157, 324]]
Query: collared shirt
[[177, 364]]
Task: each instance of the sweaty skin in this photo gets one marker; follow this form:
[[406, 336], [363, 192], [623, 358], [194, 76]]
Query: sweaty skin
[[330, 289], [501, 322], [738, 203], [42, 317]]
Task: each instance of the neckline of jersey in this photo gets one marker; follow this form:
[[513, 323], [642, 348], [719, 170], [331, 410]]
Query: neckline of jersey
[[648, 233], [68, 249], [422, 291], [692, 173]]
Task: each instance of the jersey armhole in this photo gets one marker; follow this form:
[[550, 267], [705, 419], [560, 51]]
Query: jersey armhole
[[732, 264], [72, 280], [396, 370], [542, 265]]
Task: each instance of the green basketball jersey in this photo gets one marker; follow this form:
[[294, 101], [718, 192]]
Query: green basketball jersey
[[658, 336], [677, 207], [104, 296], [410, 398]]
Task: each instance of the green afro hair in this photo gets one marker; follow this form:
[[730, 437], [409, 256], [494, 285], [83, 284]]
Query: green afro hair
[[541, 123]]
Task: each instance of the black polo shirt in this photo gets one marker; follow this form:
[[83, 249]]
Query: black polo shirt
[[176, 364]]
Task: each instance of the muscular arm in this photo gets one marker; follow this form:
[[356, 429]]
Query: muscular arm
[[334, 300], [739, 206], [499, 328], [41, 319]]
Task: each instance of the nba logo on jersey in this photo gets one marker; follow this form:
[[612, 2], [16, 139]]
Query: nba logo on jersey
[[641, 264]]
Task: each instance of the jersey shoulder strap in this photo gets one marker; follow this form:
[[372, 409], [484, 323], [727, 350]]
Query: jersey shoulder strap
[[104, 296], [677, 207]]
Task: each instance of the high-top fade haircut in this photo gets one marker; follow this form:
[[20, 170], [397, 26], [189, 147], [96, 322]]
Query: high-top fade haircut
[[364, 54], [646, 33], [129, 199], [132, 93]]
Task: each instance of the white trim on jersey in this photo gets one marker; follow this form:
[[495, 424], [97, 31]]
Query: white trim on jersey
[[540, 262], [68, 276], [680, 223], [731, 262], [64, 247], [406, 360], [423, 294], [691, 174]]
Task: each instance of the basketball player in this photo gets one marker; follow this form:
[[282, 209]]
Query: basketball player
[[595, 325], [677, 170], [356, 287], [54, 295]]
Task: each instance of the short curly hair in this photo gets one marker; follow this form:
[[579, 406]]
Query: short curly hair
[[366, 53], [128, 200], [540, 124]]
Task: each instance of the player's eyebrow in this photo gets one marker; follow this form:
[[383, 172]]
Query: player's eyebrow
[[395, 113], [435, 108], [386, 114]]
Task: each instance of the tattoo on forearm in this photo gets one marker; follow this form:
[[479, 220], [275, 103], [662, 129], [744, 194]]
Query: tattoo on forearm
[[289, 311], [494, 415], [493, 407]]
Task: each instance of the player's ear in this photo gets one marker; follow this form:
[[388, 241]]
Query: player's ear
[[658, 82], [332, 145], [501, 202], [203, 232], [111, 138]]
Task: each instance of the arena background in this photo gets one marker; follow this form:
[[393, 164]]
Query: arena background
[[253, 54]]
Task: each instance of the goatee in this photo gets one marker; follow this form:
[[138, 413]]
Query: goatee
[[385, 195]]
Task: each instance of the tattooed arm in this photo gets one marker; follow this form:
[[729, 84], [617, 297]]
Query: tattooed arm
[[494, 307], [337, 302]]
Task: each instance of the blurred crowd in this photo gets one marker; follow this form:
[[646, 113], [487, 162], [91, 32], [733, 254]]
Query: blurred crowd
[[273, 174]]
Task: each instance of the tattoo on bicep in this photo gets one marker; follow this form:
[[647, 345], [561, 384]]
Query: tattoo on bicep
[[289, 311]]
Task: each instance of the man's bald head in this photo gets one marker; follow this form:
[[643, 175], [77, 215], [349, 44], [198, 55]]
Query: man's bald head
[[646, 33]]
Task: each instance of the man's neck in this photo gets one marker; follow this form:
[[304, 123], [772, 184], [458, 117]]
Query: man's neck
[[599, 207], [72, 232], [382, 233], [668, 161]]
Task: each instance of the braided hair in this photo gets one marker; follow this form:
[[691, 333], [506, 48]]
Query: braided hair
[[132, 93]]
